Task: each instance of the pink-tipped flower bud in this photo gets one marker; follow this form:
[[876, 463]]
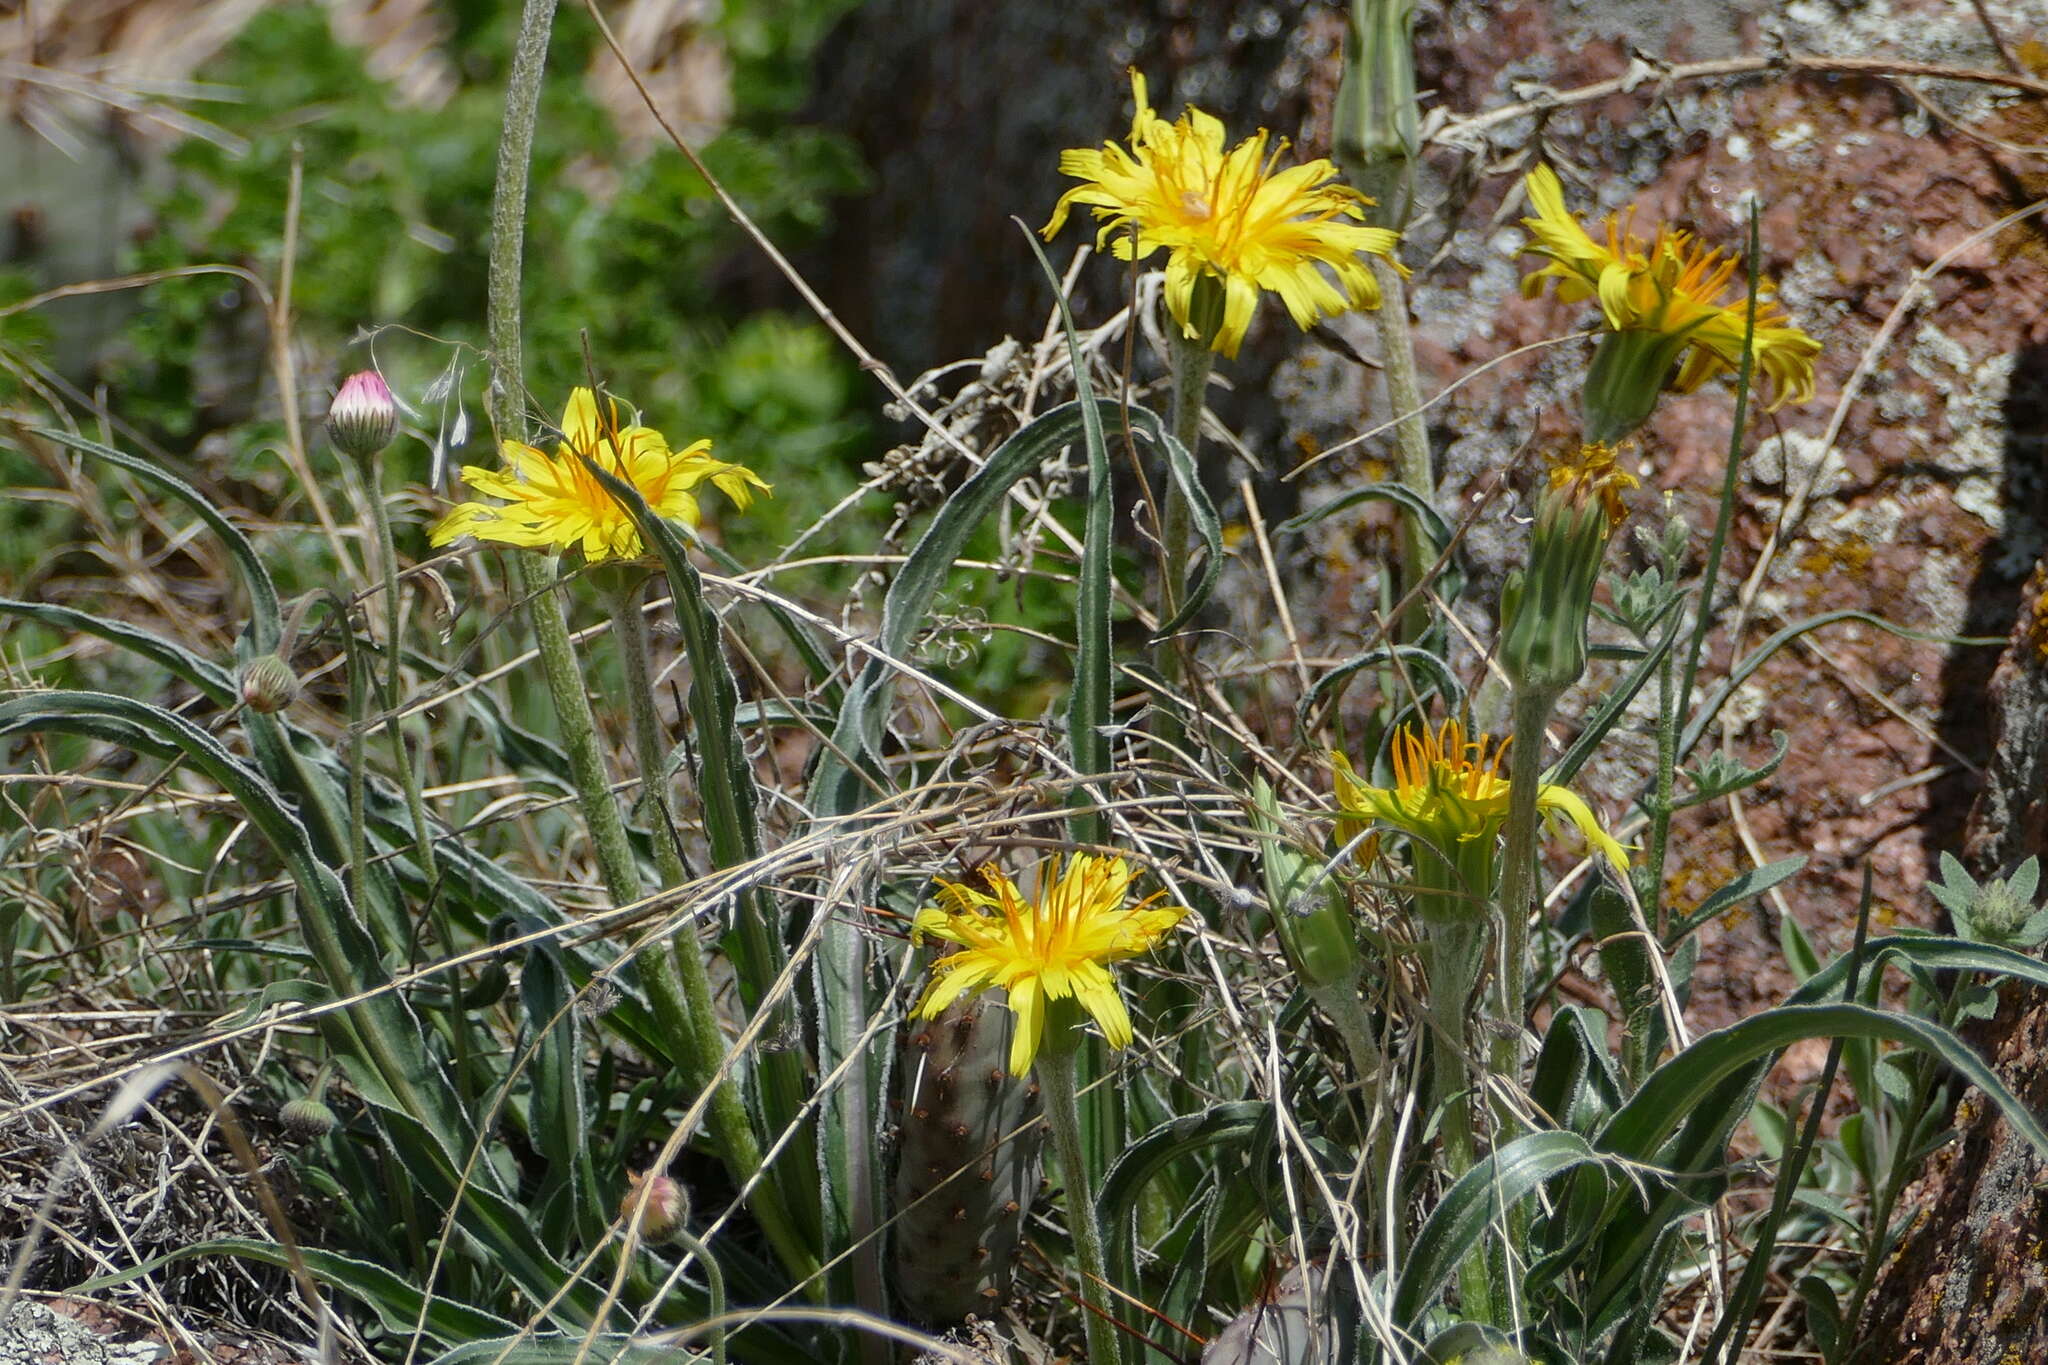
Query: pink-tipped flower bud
[[268, 684], [666, 1207], [363, 417]]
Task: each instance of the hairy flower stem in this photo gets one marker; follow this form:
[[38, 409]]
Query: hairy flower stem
[[508, 214], [1532, 708], [678, 978], [550, 627], [1454, 948], [1412, 467], [563, 675], [1063, 1115], [1192, 363]]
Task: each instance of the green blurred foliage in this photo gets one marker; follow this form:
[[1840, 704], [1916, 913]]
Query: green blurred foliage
[[394, 225]]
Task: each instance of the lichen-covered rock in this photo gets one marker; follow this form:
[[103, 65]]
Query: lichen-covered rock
[[1969, 1283]]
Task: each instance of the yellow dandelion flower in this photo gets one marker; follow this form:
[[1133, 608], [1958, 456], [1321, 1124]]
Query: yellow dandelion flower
[[1228, 218], [554, 502], [1044, 951], [1673, 286], [1448, 790]]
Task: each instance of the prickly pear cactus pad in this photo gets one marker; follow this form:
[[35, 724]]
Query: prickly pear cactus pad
[[965, 1174]]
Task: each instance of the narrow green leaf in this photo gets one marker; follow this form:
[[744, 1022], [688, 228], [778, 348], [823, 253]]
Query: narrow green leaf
[[211, 679], [1748, 886], [1929, 952], [1617, 700], [397, 1304], [1182, 1302], [1798, 949], [1180, 465], [1454, 1227], [1222, 1125], [1406, 497], [1437, 675], [265, 626], [1823, 1316], [559, 1125], [1681, 1084], [1773, 1129], [1088, 704]]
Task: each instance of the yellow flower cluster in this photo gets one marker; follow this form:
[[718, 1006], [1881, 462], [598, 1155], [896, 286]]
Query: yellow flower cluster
[[1044, 950], [1448, 790]]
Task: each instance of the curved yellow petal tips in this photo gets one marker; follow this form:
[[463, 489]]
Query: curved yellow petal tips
[[1671, 285], [1552, 798]]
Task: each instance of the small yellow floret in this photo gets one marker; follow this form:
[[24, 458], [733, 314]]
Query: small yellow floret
[[1591, 471]]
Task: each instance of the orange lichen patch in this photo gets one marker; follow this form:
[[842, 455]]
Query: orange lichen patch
[[1852, 553]]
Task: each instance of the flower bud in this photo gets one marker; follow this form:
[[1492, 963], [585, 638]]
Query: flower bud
[[666, 1209], [1375, 128], [307, 1118], [1544, 608], [1310, 910], [268, 684], [363, 417], [1999, 913]]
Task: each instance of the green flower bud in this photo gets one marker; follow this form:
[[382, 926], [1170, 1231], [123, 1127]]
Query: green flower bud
[[1376, 129], [1998, 913], [307, 1118], [1544, 608], [1310, 910], [268, 684]]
